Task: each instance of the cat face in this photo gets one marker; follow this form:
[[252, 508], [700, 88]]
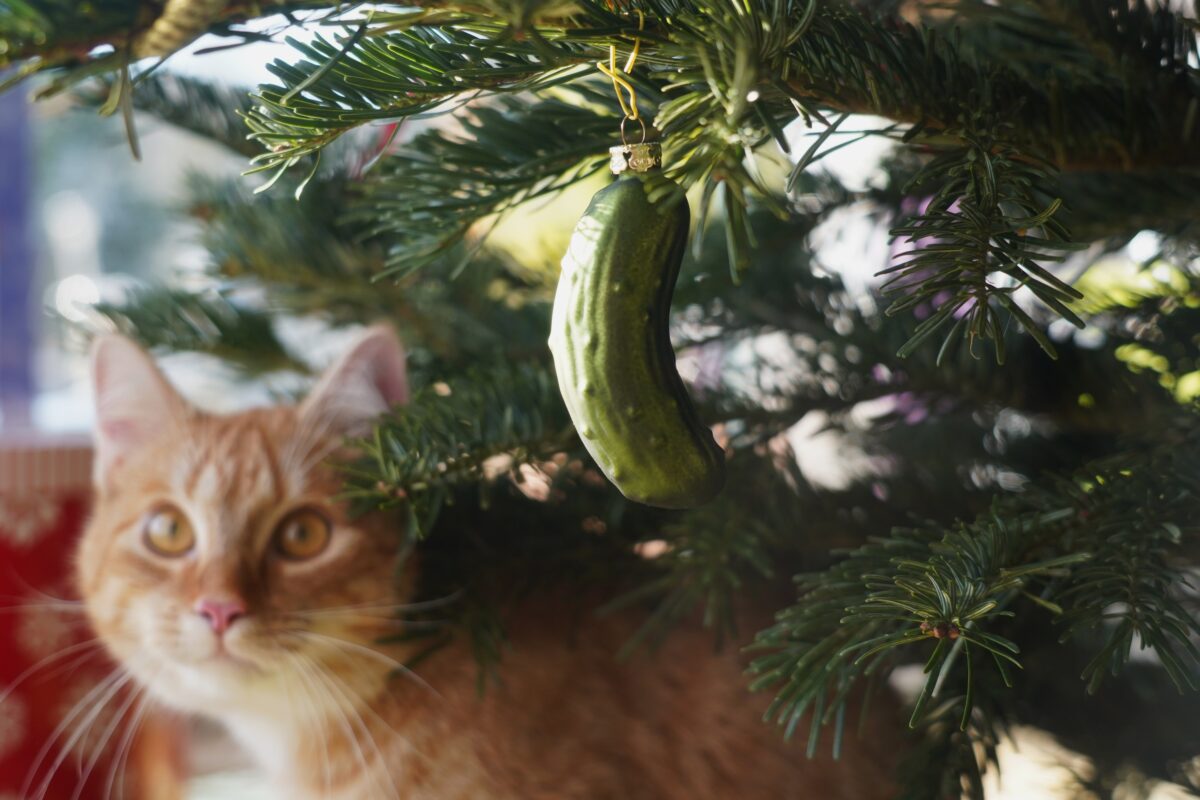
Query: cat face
[[218, 565]]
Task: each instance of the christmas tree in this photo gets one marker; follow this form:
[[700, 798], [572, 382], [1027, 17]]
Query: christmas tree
[[1022, 534]]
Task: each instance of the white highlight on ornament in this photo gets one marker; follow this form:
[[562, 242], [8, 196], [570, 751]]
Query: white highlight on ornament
[[583, 245], [1144, 246]]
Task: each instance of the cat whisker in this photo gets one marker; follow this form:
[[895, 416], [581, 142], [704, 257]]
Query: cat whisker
[[105, 737], [305, 667], [322, 675], [62, 608], [125, 747], [87, 730], [335, 677], [15, 577], [391, 605], [89, 645], [108, 687], [382, 612], [76, 662], [358, 648], [317, 723], [351, 618], [344, 692]]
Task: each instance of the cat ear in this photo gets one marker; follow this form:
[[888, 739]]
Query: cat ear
[[134, 403], [364, 383]]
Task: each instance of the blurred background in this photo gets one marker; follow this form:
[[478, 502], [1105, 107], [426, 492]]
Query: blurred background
[[82, 223]]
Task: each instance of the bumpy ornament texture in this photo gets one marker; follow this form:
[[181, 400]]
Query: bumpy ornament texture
[[612, 350]]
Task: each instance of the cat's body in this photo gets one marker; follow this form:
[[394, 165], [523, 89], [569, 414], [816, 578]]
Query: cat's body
[[221, 572], [568, 722]]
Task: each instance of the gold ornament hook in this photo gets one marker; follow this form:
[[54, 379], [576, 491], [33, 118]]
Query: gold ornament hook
[[620, 79]]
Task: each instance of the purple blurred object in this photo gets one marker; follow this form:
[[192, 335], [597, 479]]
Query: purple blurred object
[[16, 261], [902, 250]]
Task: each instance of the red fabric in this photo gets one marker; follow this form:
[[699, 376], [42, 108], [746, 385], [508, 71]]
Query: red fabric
[[46, 669]]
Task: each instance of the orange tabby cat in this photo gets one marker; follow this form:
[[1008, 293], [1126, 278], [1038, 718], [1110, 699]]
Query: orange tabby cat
[[221, 571]]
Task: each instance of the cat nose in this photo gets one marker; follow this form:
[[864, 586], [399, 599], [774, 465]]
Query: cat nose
[[220, 613]]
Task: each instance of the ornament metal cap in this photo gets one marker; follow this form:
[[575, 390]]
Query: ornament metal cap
[[640, 157]]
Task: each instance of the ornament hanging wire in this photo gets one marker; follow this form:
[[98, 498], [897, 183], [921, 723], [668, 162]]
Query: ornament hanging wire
[[620, 79]]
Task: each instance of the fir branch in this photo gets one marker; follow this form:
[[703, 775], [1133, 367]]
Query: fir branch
[[444, 436], [309, 261], [987, 218], [915, 586], [494, 547], [841, 349], [722, 67], [358, 78], [709, 557], [506, 153], [75, 41], [946, 762], [207, 109], [22, 24], [752, 71], [207, 322], [1085, 544], [749, 69], [1114, 207], [1136, 517], [1091, 118], [1149, 39], [294, 247], [57, 25], [307, 258]]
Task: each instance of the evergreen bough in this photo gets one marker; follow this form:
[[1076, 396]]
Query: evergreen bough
[[1025, 521]]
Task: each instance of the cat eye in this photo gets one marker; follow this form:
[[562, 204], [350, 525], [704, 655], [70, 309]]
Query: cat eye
[[167, 532], [302, 535]]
